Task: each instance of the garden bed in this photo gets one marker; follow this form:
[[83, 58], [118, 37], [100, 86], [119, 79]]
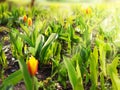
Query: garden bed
[[60, 47]]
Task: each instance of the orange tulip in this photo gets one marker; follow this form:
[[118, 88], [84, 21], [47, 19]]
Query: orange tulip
[[32, 65], [29, 21], [24, 18], [88, 10]]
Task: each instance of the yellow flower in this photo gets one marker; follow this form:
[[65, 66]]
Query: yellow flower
[[24, 18], [88, 10], [29, 21], [32, 65]]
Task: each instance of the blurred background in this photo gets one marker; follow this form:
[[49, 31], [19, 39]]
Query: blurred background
[[32, 2], [62, 0]]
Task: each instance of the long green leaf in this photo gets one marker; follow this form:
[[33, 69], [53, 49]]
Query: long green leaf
[[25, 29], [51, 38], [112, 71], [13, 79], [71, 72], [19, 44], [79, 85], [102, 81], [16, 40], [102, 58], [27, 40], [13, 38], [26, 75], [39, 44], [115, 81], [94, 68]]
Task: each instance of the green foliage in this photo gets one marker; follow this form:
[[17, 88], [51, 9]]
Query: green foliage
[[77, 46], [16, 41], [102, 81], [94, 68], [46, 45], [13, 79], [102, 50], [4, 14], [112, 71], [3, 60], [74, 75]]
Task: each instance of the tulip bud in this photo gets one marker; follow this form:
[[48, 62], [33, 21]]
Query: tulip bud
[[29, 21], [88, 10], [24, 18], [32, 65]]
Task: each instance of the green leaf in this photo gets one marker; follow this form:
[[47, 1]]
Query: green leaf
[[79, 85], [3, 60], [71, 72], [102, 81], [39, 44], [13, 79], [94, 68], [19, 44], [102, 58], [13, 37], [26, 75], [36, 83], [2, 29], [25, 29], [27, 40], [116, 81], [32, 50], [112, 71], [51, 38], [16, 40]]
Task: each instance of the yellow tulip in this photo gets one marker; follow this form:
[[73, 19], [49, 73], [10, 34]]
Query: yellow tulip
[[88, 10], [29, 21], [24, 18], [32, 65]]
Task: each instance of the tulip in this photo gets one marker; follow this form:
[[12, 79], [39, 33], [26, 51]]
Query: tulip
[[24, 18], [88, 10], [32, 65], [29, 21]]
